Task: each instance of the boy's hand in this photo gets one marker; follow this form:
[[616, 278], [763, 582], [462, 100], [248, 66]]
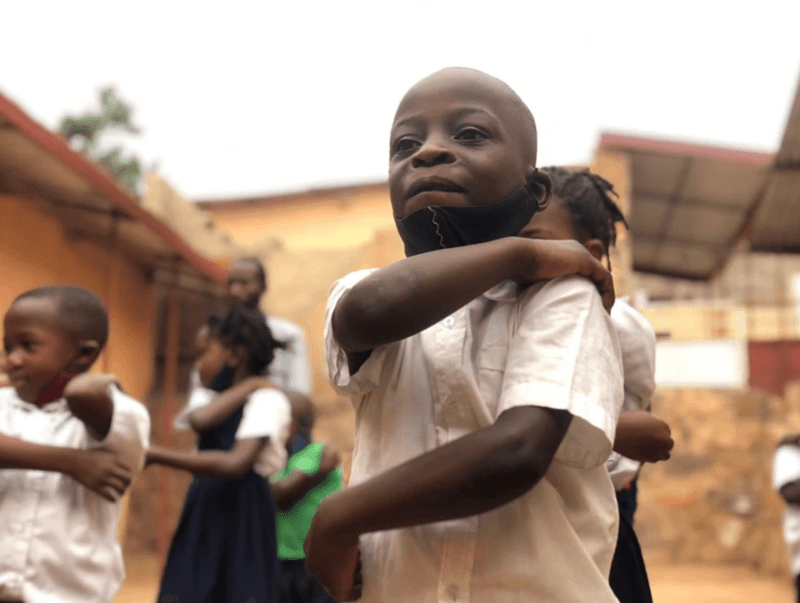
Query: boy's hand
[[546, 259], [333, 559], [329, 461], [642, 437], [100, 471]]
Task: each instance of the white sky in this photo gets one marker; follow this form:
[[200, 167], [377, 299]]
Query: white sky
[[252, 97]]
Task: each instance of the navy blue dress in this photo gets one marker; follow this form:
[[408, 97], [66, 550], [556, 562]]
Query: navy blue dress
[[224, 550]]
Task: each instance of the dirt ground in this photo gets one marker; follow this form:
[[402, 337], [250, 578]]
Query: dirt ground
[[670, 583]]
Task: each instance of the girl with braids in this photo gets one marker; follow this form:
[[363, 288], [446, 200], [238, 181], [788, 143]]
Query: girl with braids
[[582, 209], [224, 548]]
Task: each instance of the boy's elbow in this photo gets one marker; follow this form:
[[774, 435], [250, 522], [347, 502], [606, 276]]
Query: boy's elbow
[[530, 437], [354, 323]]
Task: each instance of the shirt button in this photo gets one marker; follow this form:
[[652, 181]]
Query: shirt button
[[449, 322]]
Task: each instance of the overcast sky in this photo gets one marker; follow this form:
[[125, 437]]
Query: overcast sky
[[243, 98]]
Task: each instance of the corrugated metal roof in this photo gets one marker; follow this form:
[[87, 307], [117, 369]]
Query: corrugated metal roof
[[776, 223], [689, 203], [39, 165]]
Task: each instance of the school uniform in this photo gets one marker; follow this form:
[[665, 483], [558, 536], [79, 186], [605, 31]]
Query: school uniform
[[59, 540], [224, 548], [637, 342], [290, 369], [786, 469], [549, 345]]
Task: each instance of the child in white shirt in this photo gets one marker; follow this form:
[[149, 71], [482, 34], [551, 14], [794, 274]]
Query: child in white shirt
[[70, 445], [484, 410]]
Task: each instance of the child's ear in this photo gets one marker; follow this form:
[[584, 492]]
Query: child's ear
[[88, 351], [595, 247], [540, 185]]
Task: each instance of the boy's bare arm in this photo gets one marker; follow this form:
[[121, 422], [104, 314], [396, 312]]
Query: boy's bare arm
[[409, 296], [98, 470], [642, 437], [226, 464], [225, 404], [791, 492], [476, 473], [89, 399]]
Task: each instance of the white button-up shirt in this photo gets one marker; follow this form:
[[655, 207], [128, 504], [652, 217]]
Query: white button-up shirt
[[58, 540], [786, 469], [550, 345], [637, 343]]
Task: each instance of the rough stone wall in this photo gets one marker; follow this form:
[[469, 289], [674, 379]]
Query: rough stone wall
[[713, 501]]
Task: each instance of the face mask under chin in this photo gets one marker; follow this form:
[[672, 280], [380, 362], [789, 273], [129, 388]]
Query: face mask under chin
[[444, 226]]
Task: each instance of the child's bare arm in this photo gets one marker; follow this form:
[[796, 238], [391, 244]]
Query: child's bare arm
[[89, 399], [642, 437], [225, 404], [98, 470], [226, 464], [291, 490], [476, 473], [413, 294], [791, 492]]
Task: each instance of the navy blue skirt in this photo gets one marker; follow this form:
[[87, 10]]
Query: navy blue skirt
[[224, 549]]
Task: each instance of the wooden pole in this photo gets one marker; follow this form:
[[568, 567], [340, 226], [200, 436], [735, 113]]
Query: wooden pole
[[172, 325]]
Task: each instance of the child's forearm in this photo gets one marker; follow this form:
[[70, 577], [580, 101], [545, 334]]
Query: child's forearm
[[233, 464], [224, 404], [89, 399], [18, 454], [475, 474], [409, 296], [791, 492], [291, 490]]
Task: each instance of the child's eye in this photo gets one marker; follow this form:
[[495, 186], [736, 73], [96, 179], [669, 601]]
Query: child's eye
[[471, 134], [404, 145]]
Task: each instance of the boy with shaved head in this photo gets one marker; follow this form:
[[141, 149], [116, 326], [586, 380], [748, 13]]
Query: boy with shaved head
[[70, 444], [484, 372]]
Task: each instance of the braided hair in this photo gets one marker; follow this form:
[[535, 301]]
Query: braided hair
[[587, 197], [246, 327]]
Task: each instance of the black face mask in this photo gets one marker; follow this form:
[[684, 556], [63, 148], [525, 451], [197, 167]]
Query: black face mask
[[446, 226], [223, 380]]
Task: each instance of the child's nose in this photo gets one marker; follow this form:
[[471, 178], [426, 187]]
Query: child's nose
[[14, 358], [432, 153]]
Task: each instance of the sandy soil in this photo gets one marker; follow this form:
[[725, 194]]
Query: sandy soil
[[670, 583]]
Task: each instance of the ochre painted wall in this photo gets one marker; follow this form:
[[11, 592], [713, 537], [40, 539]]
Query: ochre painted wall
[[339, 218], [35, 251]]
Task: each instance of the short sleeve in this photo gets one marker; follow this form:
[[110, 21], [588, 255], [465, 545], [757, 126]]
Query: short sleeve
[[637, 344], [199, 397], [786, 466], [368, 375], [129, 434], [565, 355], [299, 370], [267, 414]]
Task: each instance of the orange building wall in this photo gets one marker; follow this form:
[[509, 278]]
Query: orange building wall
[[343, 218], [35, 251]]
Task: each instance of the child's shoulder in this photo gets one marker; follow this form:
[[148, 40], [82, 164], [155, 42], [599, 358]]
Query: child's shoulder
[[630, 323], [573, 290]]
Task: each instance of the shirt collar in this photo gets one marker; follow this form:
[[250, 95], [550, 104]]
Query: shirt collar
[[55, 406]]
